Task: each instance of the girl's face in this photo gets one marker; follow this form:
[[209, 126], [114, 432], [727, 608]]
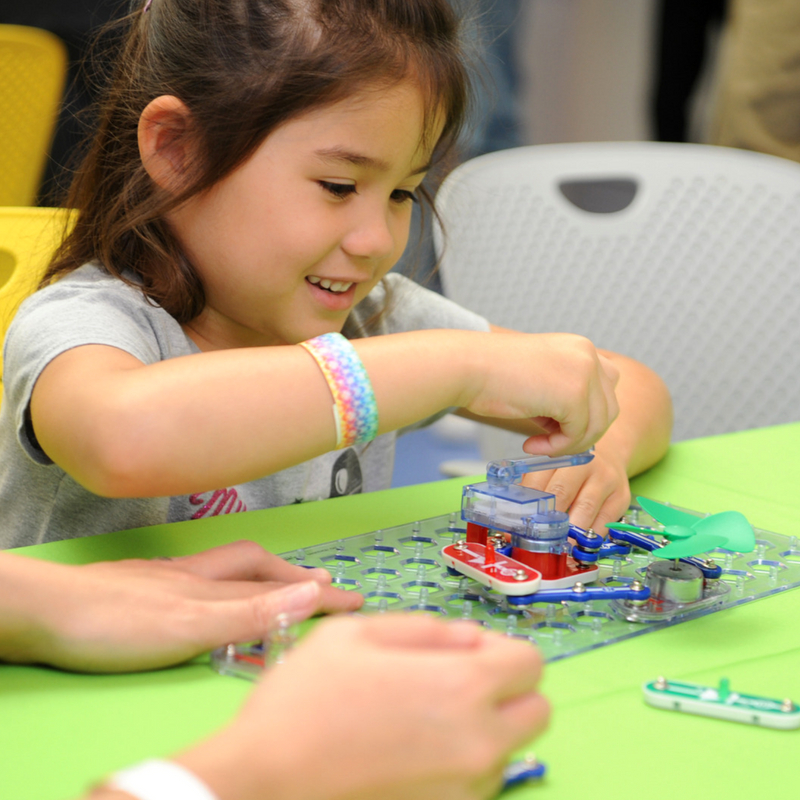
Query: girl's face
[[289, 242]]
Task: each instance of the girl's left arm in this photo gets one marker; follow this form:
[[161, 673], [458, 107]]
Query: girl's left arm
[[598, 493]]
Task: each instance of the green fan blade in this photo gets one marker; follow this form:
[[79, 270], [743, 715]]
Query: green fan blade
[[693, 546], [667, 515], [623, 526], [733, 527], [673, 532]]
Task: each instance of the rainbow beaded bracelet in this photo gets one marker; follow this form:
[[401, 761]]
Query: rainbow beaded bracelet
[[355, 412]]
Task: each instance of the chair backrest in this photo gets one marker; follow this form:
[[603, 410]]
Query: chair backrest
[[28, 239], [33, 65], [686, 257]]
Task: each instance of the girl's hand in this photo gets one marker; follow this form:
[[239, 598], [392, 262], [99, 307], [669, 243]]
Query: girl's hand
[[593, 494], [558, 380], [137, 615], [598, 493], [392, 707]]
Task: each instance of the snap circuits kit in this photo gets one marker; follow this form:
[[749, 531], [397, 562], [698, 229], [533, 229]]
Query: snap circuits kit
[[513, 563]]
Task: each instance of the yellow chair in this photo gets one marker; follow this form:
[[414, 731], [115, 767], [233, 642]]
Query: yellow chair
[[28, 239], [33, 66]]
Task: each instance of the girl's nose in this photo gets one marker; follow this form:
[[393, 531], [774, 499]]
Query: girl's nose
[[370, 236]]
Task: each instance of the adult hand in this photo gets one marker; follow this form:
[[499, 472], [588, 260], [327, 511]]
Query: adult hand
[[136, 614], [388, 707]]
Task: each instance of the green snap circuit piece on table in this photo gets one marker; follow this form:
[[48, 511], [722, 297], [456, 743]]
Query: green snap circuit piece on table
[[722, 702]]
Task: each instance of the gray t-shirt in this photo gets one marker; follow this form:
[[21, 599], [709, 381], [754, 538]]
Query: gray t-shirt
[[39, 502]]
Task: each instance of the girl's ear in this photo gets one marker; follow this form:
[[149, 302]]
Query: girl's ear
[[164, 143]]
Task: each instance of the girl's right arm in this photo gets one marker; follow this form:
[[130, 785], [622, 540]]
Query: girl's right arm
[[191, 424]]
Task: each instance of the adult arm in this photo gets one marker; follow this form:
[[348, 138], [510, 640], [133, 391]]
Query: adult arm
[[433, 710], [135, 614]]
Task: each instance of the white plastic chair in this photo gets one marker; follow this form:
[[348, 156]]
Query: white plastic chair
[[685, 257]]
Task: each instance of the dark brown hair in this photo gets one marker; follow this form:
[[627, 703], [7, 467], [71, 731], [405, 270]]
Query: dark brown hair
[[242, 67]]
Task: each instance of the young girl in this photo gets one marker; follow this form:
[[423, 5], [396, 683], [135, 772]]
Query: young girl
[[248, 189]]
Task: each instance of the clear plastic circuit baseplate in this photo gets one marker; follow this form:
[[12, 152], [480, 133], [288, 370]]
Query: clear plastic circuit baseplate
[[400, 569]]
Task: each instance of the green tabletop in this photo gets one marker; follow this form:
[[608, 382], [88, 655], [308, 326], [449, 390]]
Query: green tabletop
[[59, 732]]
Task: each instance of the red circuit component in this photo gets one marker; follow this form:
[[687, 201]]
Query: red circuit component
[[551, 565], [556, 567], [477, 533], [498, 572]]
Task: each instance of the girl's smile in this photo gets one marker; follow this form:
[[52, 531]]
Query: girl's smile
[[334, 294], [288, 243]]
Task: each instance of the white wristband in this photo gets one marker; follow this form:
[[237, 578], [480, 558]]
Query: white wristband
[[160, 780]]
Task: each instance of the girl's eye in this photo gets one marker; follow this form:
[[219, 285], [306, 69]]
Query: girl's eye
[[339, 190], [403, 196]]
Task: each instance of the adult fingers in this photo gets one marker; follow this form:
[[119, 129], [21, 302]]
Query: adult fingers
[[245, 619], [490, 784], [514, 666], [332, 599], [201, 589], [523, 718], [411, 631], [245, 561]]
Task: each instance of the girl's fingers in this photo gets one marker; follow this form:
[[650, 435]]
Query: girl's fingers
[[602, 497], [538, 480], [612, 508], [547, 424], [572, 486], [565, 484], [540, 445], [609, 368], [601, 408], [593, 494]]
